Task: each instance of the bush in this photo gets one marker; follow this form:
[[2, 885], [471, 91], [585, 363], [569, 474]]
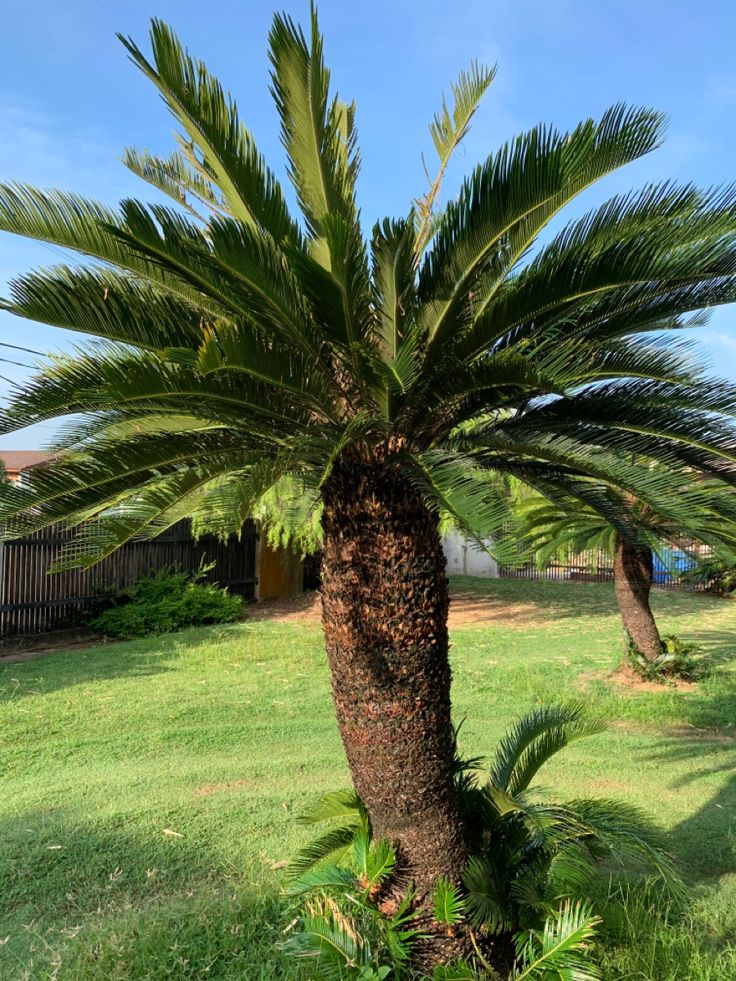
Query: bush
[[167, 600], [679, 659], [532, 862]]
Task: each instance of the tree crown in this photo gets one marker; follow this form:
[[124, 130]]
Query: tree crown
[[239, 348]]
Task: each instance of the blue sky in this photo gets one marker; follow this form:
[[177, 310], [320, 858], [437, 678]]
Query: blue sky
[[70, 101]]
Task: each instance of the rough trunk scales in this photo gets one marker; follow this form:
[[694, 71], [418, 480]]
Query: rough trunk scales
[[384, 603], [633, 570]]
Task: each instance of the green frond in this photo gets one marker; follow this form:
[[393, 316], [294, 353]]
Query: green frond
[[375, 860], [625, 834], [178, 179], [243, 271], [290, 514], [307, 875], [89, 228], [394, 300], [582, 268], [107, 304], [485, 900], [211, 123], [448, 129], [560, 952], [242, 349], [393, 278], [332, 945], [534, 738], [349, 830], [318, 134], [570, 870], [508, 200], [224, 505], [343, 804], [448, 903], [455, 485], [149, 510]]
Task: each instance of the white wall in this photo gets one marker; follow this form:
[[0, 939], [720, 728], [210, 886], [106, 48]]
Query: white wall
[[466, 559]]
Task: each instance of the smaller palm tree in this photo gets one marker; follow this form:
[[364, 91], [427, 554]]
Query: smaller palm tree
[[531, 861], [631, 533]]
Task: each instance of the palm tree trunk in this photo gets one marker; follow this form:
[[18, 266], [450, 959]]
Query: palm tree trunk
[[632, 571], [384, 610]]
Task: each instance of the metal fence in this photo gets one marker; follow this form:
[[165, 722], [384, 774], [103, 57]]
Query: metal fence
[[596, 565], [34, 601]]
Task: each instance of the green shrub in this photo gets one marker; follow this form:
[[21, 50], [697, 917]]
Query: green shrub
[[679, 659], [167, 600], [532, 862]]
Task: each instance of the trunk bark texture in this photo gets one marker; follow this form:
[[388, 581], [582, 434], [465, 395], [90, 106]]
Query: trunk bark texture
[[633, 570], [384, 610]]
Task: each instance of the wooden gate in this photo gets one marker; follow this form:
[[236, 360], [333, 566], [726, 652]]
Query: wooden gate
[[33, 601]]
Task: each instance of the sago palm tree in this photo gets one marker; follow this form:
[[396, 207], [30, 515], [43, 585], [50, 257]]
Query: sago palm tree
[[239, 346], [562, 527]]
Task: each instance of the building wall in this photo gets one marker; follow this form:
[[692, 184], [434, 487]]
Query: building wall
[[466, 559]]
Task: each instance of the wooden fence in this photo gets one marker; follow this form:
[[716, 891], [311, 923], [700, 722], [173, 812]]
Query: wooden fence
[[34, 601]]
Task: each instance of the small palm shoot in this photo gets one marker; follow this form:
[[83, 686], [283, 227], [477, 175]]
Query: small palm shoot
[[523, 888]]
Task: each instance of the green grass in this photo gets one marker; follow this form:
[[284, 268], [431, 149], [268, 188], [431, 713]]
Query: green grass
[[222, 735]]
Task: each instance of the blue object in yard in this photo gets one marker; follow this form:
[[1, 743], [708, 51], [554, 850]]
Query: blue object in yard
[[669, 564]]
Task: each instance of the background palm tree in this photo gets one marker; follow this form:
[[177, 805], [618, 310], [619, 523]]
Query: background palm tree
[[567, 528], [240, 347]]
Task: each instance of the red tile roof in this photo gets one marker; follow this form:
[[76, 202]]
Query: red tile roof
[[16, 461]]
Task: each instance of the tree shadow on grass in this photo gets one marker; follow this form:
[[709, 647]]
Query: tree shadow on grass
[[579, 599], [718, 645], [67, 668], [83, 901], [84, 665], [706, 840]]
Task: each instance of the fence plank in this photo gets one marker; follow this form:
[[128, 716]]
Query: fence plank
[[33, 601]]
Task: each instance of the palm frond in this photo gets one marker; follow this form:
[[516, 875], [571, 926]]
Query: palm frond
[[625, 834], [448, 903], [375, 860], [107, 304], [210, 120], [179, 180], [456, 486], [332, 944], [318, 134], [319, 877], [534, 738], [343, 804], [448, 129], [560, 952], [509, 199], [485, 901]]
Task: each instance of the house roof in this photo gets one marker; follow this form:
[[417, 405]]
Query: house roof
[[16, 461]]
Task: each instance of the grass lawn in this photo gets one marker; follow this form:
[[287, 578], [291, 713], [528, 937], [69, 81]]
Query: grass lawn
[[149, 789]]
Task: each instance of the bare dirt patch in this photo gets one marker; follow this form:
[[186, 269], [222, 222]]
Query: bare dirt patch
[[625, 677], [466, 610], [54, 648]]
